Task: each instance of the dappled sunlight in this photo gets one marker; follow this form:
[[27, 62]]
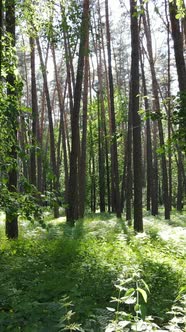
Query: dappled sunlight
[[52, 260]]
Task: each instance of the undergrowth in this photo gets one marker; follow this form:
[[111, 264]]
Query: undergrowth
[[55, 262]]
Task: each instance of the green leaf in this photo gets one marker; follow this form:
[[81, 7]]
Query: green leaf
[[130, 292], [110, 309], [146, 286], [143, 293]]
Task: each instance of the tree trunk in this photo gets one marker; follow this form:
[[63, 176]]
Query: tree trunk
[[136, 121], [35, 117], [62, 135], [157, 110], [154, 210], [82, 168], [181, 72], [72, 213], [114, 154], [169, 104], [11, 214], [129, 166], [51, 128], [149, 142]]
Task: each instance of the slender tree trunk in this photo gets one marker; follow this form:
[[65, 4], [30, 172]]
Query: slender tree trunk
[[69, 74], [101, 156], [154, 210], [169, 104], [92, 172], [11, 214], [114, 154], [82, 168], [35, 158], [23, 143], [157, 110], [179, 203], [129, 167], [35, 117], [62, 135], [72, 213], [110, 188], [181, 72], [149, 143], [123, 185], [51, 128], [136, 121]]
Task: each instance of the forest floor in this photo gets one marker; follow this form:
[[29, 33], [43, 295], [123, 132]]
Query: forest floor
[[53, 269]]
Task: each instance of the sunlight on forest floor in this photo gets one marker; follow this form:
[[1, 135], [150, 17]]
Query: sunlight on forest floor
[[51, 260]]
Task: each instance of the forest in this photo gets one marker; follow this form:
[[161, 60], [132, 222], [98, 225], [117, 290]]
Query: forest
[[92, 165]]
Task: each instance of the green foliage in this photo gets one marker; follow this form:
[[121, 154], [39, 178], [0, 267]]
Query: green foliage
[[180, 8], [46, 265], [178, 313], [179, 119], [131, 317], [24, 204], [66, 323]]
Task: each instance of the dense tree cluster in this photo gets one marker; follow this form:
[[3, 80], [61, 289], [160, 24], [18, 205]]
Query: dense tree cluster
[[89, 121]]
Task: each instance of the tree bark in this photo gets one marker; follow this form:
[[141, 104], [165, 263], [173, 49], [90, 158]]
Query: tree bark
[[129, 166], [12, 214], [149, 142], [72, 213], [62, 135], [181, 72], [114, 154], [136, 121], [158, 112], [51, 128], [82, 168], [35, 116]]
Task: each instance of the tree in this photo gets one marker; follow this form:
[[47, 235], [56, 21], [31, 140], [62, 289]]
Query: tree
[[148, 142], [51, 130], [35, 117], [136, 121], [114, 154], [155, 89], [181, 72], [72, 210], [11, 211], [83, 153]]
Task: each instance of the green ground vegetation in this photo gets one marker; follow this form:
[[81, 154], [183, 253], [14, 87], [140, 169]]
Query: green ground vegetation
[[55, 277]]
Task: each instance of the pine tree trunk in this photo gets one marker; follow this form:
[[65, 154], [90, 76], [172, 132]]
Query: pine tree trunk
[[114, 154], [72, 211], [62, 135], [51, 129], [110, 189], [11, 214], [149, 143], [35, 117], [154, 210], [157, 110], [181, 72], [129, 167], [136, 121], [82, 168]]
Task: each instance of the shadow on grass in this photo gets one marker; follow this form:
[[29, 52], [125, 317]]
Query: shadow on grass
[[164, 283], [36, 273]]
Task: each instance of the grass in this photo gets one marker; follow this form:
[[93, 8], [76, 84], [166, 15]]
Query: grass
[[84, 262]]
